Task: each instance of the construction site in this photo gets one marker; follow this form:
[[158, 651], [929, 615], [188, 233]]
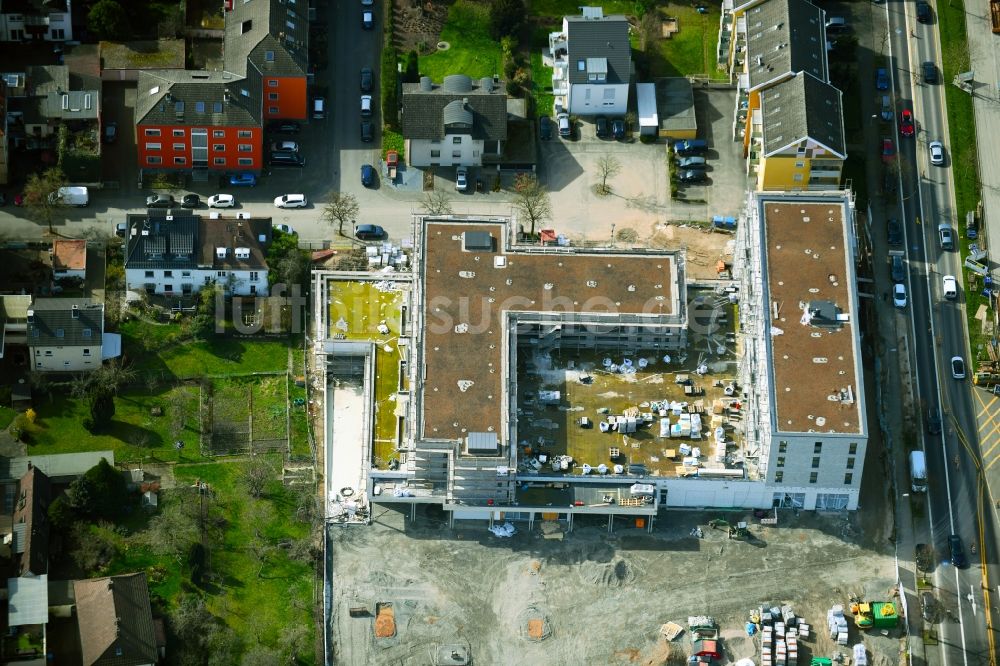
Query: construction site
[[417, 592]]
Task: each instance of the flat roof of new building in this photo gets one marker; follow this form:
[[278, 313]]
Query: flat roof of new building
[[809, 271], [675, 104], [467, 295]]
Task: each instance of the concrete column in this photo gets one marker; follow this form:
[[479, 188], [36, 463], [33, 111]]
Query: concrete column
[[413, 511], [611, 523]]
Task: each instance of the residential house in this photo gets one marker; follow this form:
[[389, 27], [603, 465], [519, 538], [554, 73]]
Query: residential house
[[196, 120], [31, 524], [65, 334], [266, 50], [69, 259], [49, 101], [460, 122], [803, 145], [776, 42], [178, 254], [36, 20], [592, 64], [116, 621]]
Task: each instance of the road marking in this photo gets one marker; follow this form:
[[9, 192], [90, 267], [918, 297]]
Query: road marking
[[986, 405]]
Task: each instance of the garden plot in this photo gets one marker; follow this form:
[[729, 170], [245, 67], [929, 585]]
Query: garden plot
[[247, 413]]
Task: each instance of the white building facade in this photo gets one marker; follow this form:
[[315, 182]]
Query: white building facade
[[36, 21], [592, 64]]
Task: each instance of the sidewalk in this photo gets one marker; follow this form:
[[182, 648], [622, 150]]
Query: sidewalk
[[986, 101]]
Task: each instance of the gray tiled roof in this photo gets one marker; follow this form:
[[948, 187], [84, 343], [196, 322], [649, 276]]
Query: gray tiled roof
[[115, 620], [31, 508], [424, 115], [189, 241], [802, 107], [785, 37], [258, 28], [605, 37], [198, 97], [72, 105], [45, 79], [55, 323]]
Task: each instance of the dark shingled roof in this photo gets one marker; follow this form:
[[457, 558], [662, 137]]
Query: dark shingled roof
[[45, 79], [196, 98], [114, 616], [272, 35], [427, 112], [605, 37], [34, 7], [54, 323], [189, 241], [32, 510], [785, 37], [800, 108]]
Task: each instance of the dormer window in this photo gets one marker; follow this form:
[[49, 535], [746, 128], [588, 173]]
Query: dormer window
[[581, 65], [269, 56]]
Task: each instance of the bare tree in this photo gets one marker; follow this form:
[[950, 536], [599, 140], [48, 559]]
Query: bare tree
[[174, 530], [260, 514], [254, 475], [531, 199], [608, 166], [341, 208], [436, 202], [41, 195]]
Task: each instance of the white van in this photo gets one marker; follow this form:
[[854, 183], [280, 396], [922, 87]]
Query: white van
[[918, 472], [950, 285], [319, 108], [70, 196]]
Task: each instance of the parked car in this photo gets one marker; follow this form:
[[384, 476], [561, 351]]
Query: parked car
[[221, 201], [367, 3], [565, 128], [930, 71], [160, 201], [284, 147], [958, 367], [882, 78], [283, 127], [899, 295], [923, 11], [691, 163], [291, 201], [906, 126], [366, 105], [367, 20], [110, 132], [367, 175], [191, 201], [956, 552], [319, 108], [937, 152], [894, 232], [366, 79], [949, 287], [618, 128], [369, 232], [545, 128], [886, 111], [837, 24], [462, 178], [284, 158], [367, 131], [243, 180], [121, 229], [691, 176], [947, 236], [690, 147], [284, 228], [601, 127], [928, 607], [888, 149], [897, 269]]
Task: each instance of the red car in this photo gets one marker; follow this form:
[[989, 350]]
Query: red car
[[888, 150], [906, 127]]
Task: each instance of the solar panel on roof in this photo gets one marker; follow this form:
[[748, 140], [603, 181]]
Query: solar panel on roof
[[181, 243], [156, 245]]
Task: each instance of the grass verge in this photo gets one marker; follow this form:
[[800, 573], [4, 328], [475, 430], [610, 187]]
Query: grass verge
[[301, 447]]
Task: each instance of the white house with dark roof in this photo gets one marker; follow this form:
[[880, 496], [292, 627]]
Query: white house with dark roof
[[592, 64], [461, 122], [36, 20], [65, 334], [178, 254]]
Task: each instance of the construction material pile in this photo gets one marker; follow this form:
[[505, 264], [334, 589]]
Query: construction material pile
[[780, 633], [838, 624]]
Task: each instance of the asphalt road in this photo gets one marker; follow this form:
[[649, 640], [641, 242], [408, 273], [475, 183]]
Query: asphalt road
[[955, 501]]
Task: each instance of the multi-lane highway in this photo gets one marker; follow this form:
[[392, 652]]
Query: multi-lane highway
[[956, 499]]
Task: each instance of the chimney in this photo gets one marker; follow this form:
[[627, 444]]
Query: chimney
[[76, 312]]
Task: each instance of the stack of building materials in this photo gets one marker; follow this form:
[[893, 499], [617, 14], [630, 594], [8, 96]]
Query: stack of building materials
[[860, 655], [838, 624], [385, 254], [780, 632]]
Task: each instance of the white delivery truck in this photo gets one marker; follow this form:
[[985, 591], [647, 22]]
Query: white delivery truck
[[70, 196], [918, 472]]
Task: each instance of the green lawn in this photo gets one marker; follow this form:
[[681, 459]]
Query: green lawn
[[161, 350], [258, 608], [541, 85], [961, 146], [559, 8], [473, 52], [134, 435], [6, 416], [691, 50], [300, 427]]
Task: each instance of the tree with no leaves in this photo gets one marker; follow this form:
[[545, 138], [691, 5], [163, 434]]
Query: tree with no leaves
[[36, 195], [436, 202], [341, 208], [531, 199], [254, 475], [607, 166]]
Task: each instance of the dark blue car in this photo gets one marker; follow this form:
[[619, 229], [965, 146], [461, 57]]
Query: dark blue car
[[882, 78], [956, 552], [367, 175]]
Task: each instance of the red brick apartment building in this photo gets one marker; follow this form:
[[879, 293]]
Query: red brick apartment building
[[199, 120]]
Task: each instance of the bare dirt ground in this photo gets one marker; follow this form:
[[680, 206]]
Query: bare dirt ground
[[595, 598]]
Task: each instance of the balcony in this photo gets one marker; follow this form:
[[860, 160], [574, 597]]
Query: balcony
[[558, 46]]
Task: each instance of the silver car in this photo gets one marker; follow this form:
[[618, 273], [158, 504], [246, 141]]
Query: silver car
[[937, 153]]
